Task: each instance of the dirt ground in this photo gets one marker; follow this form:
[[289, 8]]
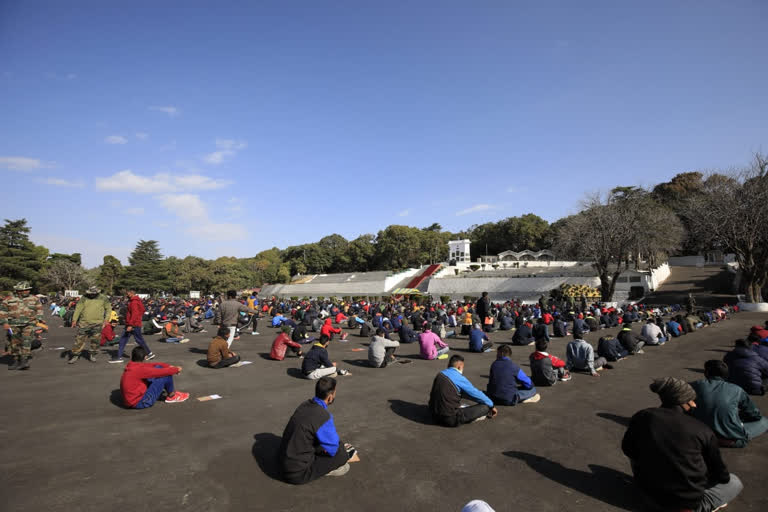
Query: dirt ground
[[70, 446]]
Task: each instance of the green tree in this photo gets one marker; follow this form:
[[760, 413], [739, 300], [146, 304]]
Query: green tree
[[20, 259], [64, 274], [147, 272], [335, 248], [360, 253], [397, 247], [110, 272]]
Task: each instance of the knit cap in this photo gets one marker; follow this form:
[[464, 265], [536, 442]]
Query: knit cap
[[673, 391]]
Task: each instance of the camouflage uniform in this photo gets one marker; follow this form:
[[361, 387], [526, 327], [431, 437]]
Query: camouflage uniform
[[21, 313], [91, 313]]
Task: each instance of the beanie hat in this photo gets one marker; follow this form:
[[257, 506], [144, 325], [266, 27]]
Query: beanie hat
[[673, 391]]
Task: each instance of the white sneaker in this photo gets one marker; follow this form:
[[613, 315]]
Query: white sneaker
[[481, 418], [185, 340], [113, 361], [535, 398], [343, 470], [254, 333]]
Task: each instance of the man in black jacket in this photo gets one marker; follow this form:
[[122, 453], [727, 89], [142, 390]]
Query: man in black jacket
[[631, 343], [676, 458], [311, 447]]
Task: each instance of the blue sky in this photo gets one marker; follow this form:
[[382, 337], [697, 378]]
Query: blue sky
[[227, 128]]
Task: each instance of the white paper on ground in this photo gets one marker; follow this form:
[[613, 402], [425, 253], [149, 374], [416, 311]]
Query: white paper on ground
[[209, 397], [242, 363]]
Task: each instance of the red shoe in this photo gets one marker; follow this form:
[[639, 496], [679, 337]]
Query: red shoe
[[178, 396]]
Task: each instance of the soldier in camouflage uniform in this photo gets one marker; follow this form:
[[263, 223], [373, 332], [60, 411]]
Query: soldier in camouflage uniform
[[91, 315], [20, 313]]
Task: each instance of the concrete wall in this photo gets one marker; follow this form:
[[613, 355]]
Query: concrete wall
[[393, 280]]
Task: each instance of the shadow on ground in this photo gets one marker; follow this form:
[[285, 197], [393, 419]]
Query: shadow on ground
[[621, 420], [601, 483], [410, 411], [116, 397], [265, 450]]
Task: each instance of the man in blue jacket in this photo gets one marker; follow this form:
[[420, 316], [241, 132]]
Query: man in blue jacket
[[448, 388], [311, 446], [508, 383], [478, 340]]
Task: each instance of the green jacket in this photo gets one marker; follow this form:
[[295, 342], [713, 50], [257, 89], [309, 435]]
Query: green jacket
[[724, 406], [92, 311]]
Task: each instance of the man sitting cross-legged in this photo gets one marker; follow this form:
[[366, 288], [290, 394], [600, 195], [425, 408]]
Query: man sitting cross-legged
[[508, 383], [448, 388], [219, 354], [316, 363], [143, 383], [311, 447], [381, 351], [283, 343]]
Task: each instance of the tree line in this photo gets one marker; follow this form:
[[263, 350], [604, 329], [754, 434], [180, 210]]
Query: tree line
[[690, 213]]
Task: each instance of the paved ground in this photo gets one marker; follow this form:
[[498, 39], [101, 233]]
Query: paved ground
[[68, 446], [711, 286]]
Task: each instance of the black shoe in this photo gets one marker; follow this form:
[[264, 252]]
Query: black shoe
[[608, 366], [24, 363], [14, 364]]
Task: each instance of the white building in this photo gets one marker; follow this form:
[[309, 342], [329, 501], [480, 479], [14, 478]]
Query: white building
[[458, 251]]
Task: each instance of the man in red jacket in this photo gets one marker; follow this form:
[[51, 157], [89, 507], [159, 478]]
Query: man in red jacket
[[282, 343], [142, 383], [329, 330], [133, 316]]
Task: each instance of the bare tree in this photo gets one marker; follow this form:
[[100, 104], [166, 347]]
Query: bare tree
[[732, 214], [66, 275], [617, 231]]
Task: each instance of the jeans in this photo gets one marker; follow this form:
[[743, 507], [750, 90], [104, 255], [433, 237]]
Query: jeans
[[720, 494], [442, 351], [756, 428], [173, 340], [639, 346], [136, 332], [389, 352], [154, 390], [522, 395]]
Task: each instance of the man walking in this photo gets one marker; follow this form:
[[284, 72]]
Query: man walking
[[91, 316], [230, 312], [133, 316]]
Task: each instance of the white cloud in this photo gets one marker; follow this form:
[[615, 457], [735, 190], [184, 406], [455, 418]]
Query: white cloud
[[226, 148], [22, 163], [142, 135], [191, 208], [473, 209], [170, 110], [128, 181], [58, 182], [404, 213], [116, 139], [93, 251], [134, 211]]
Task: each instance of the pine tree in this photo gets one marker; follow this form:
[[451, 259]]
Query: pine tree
[[20, 259]]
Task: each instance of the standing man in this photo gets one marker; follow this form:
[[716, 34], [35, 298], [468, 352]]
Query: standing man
[[92, 314], [483, 308], [134, 313], [311, 446], [253, 303], [675, 458], [19, 314], [230, 311]]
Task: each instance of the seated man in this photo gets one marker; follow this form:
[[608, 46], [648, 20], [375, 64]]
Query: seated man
[[152, 326], [674, 329], [540, 331], [194, 323], [547, 369], [430, 344], [278, 320], [406, 333], [610, 348], [524, 334], [282, 343], [311, 447], [448, 389], [219, 355], [367, 329], [381, 351], [171, 332], [316, 363], [580, 356], [329, 330], [651, 333], [478, 340], [726, 408], [143, 383], [746, 368], [559, 328], [508, 384], [299, 334], [675, 458], [108, 334], [629, 341]]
